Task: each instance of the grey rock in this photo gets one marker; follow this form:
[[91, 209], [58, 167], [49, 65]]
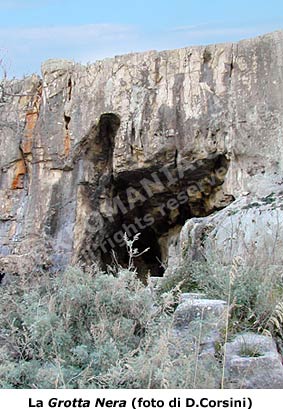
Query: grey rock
[[190, 297], [71, 140], [253, 362], [197, 324], [237, 231], [56, 65], [194, 308]]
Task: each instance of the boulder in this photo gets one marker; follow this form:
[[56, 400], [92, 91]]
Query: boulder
[[197, 323], [237, 231], [253, 362]]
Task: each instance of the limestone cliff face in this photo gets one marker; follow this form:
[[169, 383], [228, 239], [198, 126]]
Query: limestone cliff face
[[77, 144]]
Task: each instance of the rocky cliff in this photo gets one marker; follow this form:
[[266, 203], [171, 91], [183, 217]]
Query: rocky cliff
[[141, 143]]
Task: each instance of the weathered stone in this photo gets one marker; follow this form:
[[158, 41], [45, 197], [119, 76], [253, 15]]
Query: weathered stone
[[197, 324], [190, 296], [253, 362], [249, 228], [194, 308], [150, 143], [76, 139]]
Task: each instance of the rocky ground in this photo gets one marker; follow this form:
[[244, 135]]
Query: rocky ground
[[184, 147]]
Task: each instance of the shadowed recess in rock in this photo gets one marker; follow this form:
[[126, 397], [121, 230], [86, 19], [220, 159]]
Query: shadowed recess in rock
[[153, 202]]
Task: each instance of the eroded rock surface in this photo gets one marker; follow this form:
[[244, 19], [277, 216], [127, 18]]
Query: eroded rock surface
[[249, 228], [253, 362], [80, 141], [198, 322]]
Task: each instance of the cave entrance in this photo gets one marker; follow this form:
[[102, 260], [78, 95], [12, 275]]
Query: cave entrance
[[153, 201], [155, 204], [149, 262]]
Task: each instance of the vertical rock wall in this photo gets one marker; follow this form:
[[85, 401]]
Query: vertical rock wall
[[75, 139]]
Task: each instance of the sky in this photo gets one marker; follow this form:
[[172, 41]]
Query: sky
[[32, 31]]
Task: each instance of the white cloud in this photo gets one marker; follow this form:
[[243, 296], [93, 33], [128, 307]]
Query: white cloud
[[12, 4], [63, 34], [219, 29], [194, 27], [27, 47], [214, 32]]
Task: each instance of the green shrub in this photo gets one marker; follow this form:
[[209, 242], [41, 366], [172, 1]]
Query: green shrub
[[90, 330], [254, 294]]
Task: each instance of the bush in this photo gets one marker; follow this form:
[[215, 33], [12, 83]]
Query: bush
[[90, 330], [256, 293]]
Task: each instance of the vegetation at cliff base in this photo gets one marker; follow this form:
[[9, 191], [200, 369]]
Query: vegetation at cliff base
[[92, 329], [89, 330]]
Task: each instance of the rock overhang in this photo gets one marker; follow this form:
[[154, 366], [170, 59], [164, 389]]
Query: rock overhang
[[222, 100]]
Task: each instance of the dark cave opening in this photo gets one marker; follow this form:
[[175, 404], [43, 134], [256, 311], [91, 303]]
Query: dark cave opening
[[155, 205], [149, 262], [154, 201], [152, 258]]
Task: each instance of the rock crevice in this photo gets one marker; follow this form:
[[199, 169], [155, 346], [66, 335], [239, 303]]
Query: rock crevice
[[84, 139]]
